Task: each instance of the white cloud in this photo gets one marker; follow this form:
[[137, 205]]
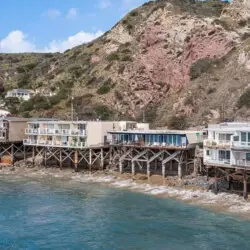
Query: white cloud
[[72, 13], [103, 4], [72, 41], [16, 41], [52, 13]]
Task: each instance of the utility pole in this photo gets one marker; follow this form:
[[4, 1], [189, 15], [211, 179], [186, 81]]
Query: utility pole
[[72, 108]]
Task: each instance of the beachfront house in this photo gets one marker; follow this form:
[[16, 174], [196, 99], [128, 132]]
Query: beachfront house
[[21, 94], [12, 129], [157, 138], [228, 145], [74, 134]]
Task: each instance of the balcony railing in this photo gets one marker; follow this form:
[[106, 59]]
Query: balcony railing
[[49, 143], [217, 143], [240, 144], [66, 132], [242, 163], [217, 161]]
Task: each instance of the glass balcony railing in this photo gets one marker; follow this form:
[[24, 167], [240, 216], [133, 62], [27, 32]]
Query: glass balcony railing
[[62, 132], [217, 143], [50, 143]]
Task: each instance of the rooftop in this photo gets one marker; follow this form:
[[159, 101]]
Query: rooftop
[[21, 91], [230, 127], [157, 132]]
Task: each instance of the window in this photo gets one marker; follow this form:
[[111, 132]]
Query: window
[[224, 155], [248, 156], [243, 136], [208, 153], [236, 138]]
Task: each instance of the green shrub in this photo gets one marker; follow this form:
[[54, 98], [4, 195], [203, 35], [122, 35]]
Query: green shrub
[[200, 66], [133, 13], [113, 57], [176, 122], [75, 70], [103, 112], [104, 89], [211, 90], [244, 100], [188, 101], [127, 59], [23, 80]]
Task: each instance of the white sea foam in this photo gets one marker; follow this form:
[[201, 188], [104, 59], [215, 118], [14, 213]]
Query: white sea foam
[[231, 202]]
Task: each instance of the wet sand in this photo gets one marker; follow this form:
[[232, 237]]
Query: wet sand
[[171, 187]]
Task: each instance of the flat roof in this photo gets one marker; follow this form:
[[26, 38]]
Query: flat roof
[[53, 121], [157, 132], [15, 119]]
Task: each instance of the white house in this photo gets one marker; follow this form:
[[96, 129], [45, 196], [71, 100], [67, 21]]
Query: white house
[[22, 94], [228, 144], [72, 134]]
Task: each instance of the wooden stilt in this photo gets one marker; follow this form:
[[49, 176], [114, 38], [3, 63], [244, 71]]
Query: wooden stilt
[[180, 170], [171, 165], [33, 156], [133, 168], [120, 166], [45, 157], [76, 161], [148, 170], [216, 187], [102, 159], [24, 154], [90, 160], [13, 154], [60, 158], [245, 194], [163, 171]]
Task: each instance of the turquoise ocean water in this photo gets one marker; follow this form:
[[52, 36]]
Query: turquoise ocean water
[[50, 215]]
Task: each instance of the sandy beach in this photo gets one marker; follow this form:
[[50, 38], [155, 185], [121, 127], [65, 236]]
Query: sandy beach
[[189, 190]]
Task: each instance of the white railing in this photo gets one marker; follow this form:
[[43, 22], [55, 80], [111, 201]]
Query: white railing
[[240, 144], [242, 163], [53, 143], [216, 161], [62, 132], [217, 143]]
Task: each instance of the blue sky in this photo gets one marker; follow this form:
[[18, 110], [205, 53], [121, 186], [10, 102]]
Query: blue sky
[[56, 25]]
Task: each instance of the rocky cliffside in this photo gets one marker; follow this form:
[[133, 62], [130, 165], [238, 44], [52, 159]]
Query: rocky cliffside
[[176, 63]]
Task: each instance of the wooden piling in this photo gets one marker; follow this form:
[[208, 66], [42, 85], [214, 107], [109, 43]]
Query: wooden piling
[[245, 194], [33, 156], [120, 166], [180, 170], [133, 168], [148, 170], [163, 171], [60, 158], [76, 161]]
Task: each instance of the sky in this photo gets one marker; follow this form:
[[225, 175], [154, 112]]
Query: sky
[[57, 25]]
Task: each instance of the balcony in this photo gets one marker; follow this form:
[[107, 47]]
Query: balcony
[[49, 143], [240, 145], [217, 143], [242, 163], [209, 161], [59, 132]]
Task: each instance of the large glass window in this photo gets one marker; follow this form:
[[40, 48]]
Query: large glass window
[[224, 155], [243, 136], [248, 156]]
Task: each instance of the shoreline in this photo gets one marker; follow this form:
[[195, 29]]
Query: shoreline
[[228, 204]]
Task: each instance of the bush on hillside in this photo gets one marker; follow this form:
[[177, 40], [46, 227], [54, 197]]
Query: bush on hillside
[[244, 100], [177, 122]]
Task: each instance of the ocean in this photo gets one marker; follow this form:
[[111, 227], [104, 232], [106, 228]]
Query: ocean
[[56, 214]]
